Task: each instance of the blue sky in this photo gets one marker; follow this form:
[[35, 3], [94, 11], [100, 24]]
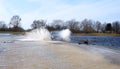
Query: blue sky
[[29, 10]]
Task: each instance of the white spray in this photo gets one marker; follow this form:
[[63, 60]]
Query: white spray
[[65, 35], [41, 34]]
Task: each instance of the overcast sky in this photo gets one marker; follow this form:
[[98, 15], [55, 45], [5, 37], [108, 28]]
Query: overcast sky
[[29, 10]]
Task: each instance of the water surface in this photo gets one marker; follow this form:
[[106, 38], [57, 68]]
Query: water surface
[[112, 42]]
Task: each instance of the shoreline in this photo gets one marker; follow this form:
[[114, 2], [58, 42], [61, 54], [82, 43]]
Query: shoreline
[[96, 34], [79, 34]]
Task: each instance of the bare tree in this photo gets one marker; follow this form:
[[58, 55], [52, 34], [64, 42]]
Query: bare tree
[[116, 26], [15, 21], [98, 26], [87, 25], [38, 24], [15, 24], [3, 26], [73, 25]]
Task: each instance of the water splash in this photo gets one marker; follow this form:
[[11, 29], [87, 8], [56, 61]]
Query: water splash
[[65, 34], [41, 34]]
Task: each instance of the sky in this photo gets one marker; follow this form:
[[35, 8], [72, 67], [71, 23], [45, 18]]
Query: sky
[[30, 10]]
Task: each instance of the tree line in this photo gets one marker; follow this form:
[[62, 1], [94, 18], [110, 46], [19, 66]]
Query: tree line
[[84, 26], [13, 26]]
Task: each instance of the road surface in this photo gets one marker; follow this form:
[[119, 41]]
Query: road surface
[[16, 54]]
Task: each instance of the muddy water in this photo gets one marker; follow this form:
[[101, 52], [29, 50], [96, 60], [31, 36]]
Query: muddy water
[[16, 54]]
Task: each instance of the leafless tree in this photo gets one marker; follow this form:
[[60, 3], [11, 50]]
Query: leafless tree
[[15, 24], [116, 26], [73, 25], [38, 24], [3, 25], [98, 26], [87, 25], [15, 21]]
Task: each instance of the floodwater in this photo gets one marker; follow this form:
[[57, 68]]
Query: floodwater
[[112, 42], [15, 54]]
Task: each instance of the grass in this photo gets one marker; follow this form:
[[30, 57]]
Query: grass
[[96, 34], [16, 33]]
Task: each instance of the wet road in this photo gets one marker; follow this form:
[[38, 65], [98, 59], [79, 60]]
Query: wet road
[[50, 55]]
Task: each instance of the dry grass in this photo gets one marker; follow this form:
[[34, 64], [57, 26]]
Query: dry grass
[[96, 34]]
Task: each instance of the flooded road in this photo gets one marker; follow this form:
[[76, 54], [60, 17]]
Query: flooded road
[[16, 54]]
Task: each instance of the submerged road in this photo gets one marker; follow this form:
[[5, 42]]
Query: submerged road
[[50, 55]]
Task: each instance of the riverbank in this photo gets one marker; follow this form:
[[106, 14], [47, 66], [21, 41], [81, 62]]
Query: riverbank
[[53, 55], [96, 34], [79, 34], [16, 33]]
